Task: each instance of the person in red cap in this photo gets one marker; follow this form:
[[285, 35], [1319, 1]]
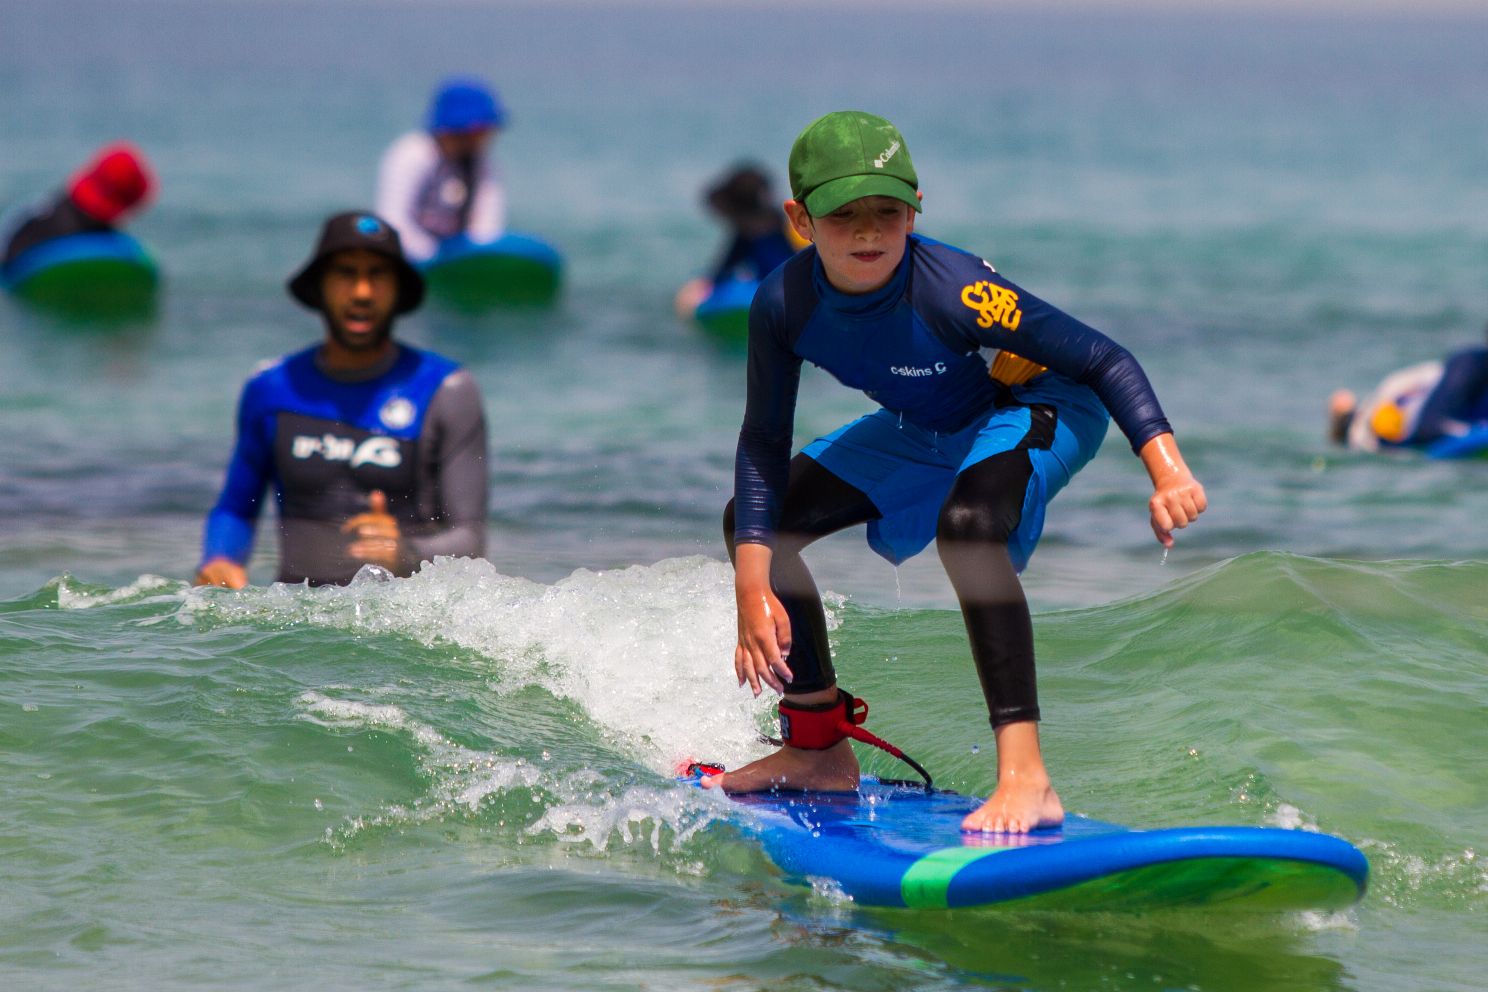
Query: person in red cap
[[116, 183]]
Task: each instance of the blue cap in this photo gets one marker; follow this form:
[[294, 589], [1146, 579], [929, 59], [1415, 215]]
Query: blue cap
[[465, 103]]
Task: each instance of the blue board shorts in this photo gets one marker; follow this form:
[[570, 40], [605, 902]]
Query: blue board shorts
[[908, 471]]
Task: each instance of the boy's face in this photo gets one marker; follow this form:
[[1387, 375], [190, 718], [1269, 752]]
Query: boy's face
[[861, 243]]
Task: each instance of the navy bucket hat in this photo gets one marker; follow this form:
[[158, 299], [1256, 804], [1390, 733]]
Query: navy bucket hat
[[357, 229]]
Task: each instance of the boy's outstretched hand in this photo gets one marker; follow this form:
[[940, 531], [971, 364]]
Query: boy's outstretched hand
[[764, 627], [1177, 497]]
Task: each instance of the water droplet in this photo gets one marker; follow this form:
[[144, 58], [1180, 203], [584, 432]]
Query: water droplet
[[976, 749]]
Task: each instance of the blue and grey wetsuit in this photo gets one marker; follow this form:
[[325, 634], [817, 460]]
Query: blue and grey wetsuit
[[412, 426]]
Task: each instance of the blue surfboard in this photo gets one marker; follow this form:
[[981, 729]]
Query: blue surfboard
[[105, 274], [896, 845], [514, 270], [1473, 444], [724, 313]]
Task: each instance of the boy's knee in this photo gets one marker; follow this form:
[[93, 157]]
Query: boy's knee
[[986, 503], [965, 522]]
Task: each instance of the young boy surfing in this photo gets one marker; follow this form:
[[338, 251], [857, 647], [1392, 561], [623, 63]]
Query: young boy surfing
[[990, 400]]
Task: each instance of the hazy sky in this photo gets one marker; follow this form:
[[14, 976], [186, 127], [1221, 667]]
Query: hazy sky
[[1477, 8]]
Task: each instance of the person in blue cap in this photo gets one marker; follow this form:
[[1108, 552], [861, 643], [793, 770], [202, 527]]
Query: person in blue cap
[[437, 184]]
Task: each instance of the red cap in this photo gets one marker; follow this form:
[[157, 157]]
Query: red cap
[[112, 184]]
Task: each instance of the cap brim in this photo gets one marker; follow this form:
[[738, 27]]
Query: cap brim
[[833, 194]]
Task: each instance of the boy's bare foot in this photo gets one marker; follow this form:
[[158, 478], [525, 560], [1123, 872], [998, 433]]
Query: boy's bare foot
[[1018, 805], [832, 770], [1024, 799]]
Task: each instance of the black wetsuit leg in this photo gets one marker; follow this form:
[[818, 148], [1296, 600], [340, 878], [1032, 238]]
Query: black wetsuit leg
[[817, 503], [983, 508]]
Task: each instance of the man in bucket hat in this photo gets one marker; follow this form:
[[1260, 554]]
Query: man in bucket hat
[[98, 197], [376, 451], [437, 184]]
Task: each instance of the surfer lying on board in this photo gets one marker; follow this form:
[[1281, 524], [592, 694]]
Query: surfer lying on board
[[1416, 406], [960, 453], [97, 199], [759, 237], [376, 451]]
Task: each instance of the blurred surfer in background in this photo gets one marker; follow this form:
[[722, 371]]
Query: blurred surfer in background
[[760, 238], [97, 199], [376, 451], [990, 400], [1416, 406], [438, 185]]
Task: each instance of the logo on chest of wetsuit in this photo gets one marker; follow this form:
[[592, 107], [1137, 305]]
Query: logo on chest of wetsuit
[[397, 413], [380, 451], [995, 304], [917, 372]]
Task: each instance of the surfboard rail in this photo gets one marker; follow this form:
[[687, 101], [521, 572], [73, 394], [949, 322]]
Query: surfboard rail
[[106, 274], [897, 847], [514, 270]]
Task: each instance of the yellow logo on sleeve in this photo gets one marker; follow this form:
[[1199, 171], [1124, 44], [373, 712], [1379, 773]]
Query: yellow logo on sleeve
[[995, 304]]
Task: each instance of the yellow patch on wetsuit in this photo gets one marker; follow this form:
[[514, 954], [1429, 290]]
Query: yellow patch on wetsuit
[[995, 304], [1011, 370], [1388, 423]]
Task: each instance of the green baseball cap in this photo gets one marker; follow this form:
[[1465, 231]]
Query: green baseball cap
[[846, 155]]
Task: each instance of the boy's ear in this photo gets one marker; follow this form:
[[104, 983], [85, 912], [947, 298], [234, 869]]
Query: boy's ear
[[800, 220]]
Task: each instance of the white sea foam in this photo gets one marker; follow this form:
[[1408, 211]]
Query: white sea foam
[[646, 651], [639, 813], [141, 590]]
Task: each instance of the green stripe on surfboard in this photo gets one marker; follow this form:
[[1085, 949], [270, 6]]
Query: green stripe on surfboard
[[1264, 884], [925, 882]]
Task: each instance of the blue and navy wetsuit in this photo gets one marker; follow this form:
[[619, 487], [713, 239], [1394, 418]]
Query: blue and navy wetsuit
[[753, 257], [1459, 400], [411, 426], [990, 400]]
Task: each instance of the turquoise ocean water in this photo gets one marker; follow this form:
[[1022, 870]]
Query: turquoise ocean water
[[461, 780]]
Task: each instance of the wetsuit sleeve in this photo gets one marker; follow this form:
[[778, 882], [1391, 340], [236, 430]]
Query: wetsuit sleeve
[[762, 460], [1028, 327], [1460, 396], [404, 168], [456, 433], [231, 523]]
